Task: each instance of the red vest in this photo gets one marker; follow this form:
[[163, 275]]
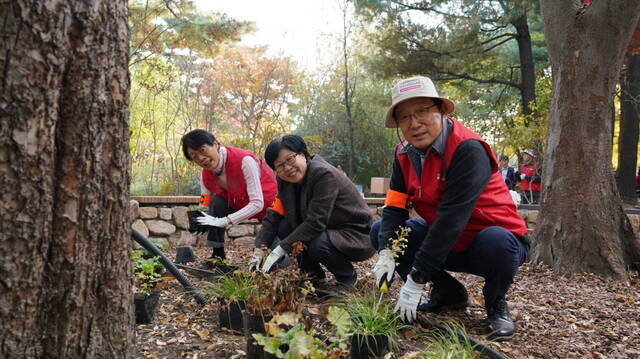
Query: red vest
[[529, 170], [494, 207], [236, 193]]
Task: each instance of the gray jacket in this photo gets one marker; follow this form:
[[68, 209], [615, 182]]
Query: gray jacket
[[328, 202]]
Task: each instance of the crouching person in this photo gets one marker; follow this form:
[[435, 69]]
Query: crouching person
[[318, 206], [468, 223]]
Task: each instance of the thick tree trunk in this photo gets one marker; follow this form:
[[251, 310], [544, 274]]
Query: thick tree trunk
[[629, 122], [65, 283], [582, 227]]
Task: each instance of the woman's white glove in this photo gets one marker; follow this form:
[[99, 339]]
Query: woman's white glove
[[408, 300], [384, 266], [272, 258], [523, 176], [207, 220], [256, 259]]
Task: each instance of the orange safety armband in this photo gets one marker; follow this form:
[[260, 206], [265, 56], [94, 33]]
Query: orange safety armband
[[396, 199], [205, 199], [277, 206]]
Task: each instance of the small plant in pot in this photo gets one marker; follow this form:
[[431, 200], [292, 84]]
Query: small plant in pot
[[232, 291], [146, 275], [375, 326]]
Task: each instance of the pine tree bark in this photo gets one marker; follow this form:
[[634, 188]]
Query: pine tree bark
[[582, 226], [65, 283]]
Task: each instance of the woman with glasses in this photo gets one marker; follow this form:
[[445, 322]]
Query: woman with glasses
[[318, 206], [468, 222], [235, 185]]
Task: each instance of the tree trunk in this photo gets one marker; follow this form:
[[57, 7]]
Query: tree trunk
[[527, 66], [65, 282], [582, 226], [348, 92], [629, 122]]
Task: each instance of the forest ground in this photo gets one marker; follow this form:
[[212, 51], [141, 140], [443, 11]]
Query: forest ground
[[585, 316]]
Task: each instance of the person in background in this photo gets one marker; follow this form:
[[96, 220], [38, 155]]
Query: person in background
[[508, 173], [319, 207], [235, 185], [529, 176], [467, 220]]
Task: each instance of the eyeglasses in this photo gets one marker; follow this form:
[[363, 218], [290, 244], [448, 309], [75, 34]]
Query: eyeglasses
[[289, 161], [420, 114]]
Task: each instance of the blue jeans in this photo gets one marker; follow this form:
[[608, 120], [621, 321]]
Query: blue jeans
[[495, 254]]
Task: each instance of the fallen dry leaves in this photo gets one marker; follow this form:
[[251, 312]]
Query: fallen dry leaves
[[557, 317]]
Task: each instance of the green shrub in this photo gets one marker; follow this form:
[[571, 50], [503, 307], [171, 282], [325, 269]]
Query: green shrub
[[145, 271], [452, 343]]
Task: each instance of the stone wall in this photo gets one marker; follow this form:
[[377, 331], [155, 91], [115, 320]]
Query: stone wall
[[169, 224]]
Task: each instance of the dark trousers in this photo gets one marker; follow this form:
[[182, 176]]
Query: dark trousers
[[495, 254], [320, 250], [218, 208]]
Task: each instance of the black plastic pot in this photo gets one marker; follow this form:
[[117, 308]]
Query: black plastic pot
[[255, 351], [368, 346], [194, 226], [145, 304], [185, 255], [230, 315]]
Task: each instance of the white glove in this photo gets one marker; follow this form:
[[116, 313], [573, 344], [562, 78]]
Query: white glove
[[207, 220], [523, 176], [273, 257], [254, 263], [385, 265], [408, 300]]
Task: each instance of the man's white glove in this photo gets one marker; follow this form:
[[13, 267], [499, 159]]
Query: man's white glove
[[408, 300], [207, 220], [272, 258], [523, 176], [254, 263], [384, 266]]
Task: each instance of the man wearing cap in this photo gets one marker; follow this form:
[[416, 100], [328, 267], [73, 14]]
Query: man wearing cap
[[468, 221], [529, 175], [508, 173]]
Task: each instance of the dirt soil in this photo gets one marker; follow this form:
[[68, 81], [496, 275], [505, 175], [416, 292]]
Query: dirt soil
[[557, 317]]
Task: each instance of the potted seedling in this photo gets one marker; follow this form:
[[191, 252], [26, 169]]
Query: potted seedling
[[375, 326], [146, 274], [232, 291]]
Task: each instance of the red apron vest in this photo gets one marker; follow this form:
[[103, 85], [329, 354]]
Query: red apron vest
[[529, 170], [236, 192], [494, 207]]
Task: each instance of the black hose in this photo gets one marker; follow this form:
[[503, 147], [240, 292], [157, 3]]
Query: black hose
[[146, 244], [481, 348]]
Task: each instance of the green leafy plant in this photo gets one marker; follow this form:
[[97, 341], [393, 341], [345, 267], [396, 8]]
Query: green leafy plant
[[234, 286], [454, 342], [146, 271], [373, 314], [287, 338]]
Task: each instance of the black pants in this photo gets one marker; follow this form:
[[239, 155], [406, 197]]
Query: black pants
[[218, 208], [495, 254], [320, 250]]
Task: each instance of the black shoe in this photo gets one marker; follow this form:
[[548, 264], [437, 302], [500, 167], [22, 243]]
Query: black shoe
[[446, 294], [345, 285], [501, 326]]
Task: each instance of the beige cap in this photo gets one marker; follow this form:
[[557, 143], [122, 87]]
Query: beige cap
[[418, 86]]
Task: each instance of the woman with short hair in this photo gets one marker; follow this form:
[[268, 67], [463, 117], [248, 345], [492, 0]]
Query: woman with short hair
[[318, 206], [235, 185]]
